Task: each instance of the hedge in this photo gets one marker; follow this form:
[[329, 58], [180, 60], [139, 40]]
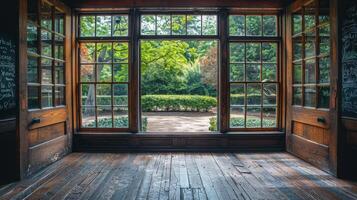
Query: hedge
[[119, 122], [239, 123]]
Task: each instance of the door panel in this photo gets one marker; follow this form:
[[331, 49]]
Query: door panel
[[311, 112]]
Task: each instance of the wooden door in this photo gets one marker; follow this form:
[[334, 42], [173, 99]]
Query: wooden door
[[45, 115], [312, 83]]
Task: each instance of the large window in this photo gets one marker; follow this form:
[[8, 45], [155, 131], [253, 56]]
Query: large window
[[104, 71], [253, 71], [46, 58]]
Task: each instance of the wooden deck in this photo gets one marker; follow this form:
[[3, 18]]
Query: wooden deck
[[181, 176]]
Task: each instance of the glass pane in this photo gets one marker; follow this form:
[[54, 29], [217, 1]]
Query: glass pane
[[104, 26], [310, 45], [310, 96], [148, 24], [59, 47], [254, 25], [87, 51], [121, 51], [193, 24], [253, 72], [46, 43], [269, 51], [209, 25], [121, 73], [105, 117], [163, 25], [237, 117], [46, 65], [270, 25], [32, 70], [297, 23], [253, 117], [120, 94], [325, 46], [46, 15], [104, 94], [253, 52], [324, 97], [178, 24], [310, 12], [46, 95], [254, 95], [59, 21], [324, 11], [87, 73], [59, 96], [237, 72], [236, 52], [269, 72], [33, 100], [324, 70], [237, 95], [297, 70], [269, 117], [121, 119], [104, 52], [88, 117], [310, 71], [297, 48], [32, 40], [270, 92], [236, 25], [120, 25], [59, 73], [87, 26], [87, 94], [297, 96], [104, 72]]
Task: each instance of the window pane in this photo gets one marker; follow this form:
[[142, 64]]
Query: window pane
[[254, 95], [324, 97], [121, 51], [32, 40], [254, 25], [178, 24], [120, 73], [87, 73], [253, 117], [297, 70], [32, 70], [310, 73], [310, 96], [104, 72], [120, 94], [120, 25], [33, 100], [297, 23], [87, 51], [87, 26], [59, 21], [59, 73], [310, 12], [270, 25], [59, 47], [121, 119], [46, 95], [46, 43], [297, 48], [148, 24], [270, 92], [253, 52], [105, 117], [59, 96], [236, 52], [46, 65], [269, 72], [269, 52], [325, 46], [104, 94], [87, 94], [104, 26], [209, 25], [253, 72], [269, 117], [163, 24], [310, 45], [193, 24], [297, 96], [324, 70], [46, 15], [237, 117], [88, 117], [104, 52], [237, 72], [237, 95], [236, 25]]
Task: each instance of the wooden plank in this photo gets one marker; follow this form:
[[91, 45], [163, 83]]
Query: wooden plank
[[43, 134], [47, 117], [195, 180]]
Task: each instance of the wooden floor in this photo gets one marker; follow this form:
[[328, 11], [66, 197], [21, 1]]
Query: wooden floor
[[181, 176]]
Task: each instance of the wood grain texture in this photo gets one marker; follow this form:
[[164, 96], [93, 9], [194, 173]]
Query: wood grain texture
[[181, 176]]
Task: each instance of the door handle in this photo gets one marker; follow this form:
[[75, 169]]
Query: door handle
[[35, 121], [321, 120]]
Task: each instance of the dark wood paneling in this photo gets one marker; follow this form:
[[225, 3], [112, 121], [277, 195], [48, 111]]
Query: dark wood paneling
[[40, 135], [313, 133], [47, 117]]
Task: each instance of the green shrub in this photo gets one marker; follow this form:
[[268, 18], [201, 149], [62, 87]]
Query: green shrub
[[239, 123], [119, 122]]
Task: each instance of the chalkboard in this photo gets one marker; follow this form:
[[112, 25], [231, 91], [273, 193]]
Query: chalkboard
[[349, 60], [7, 78]]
